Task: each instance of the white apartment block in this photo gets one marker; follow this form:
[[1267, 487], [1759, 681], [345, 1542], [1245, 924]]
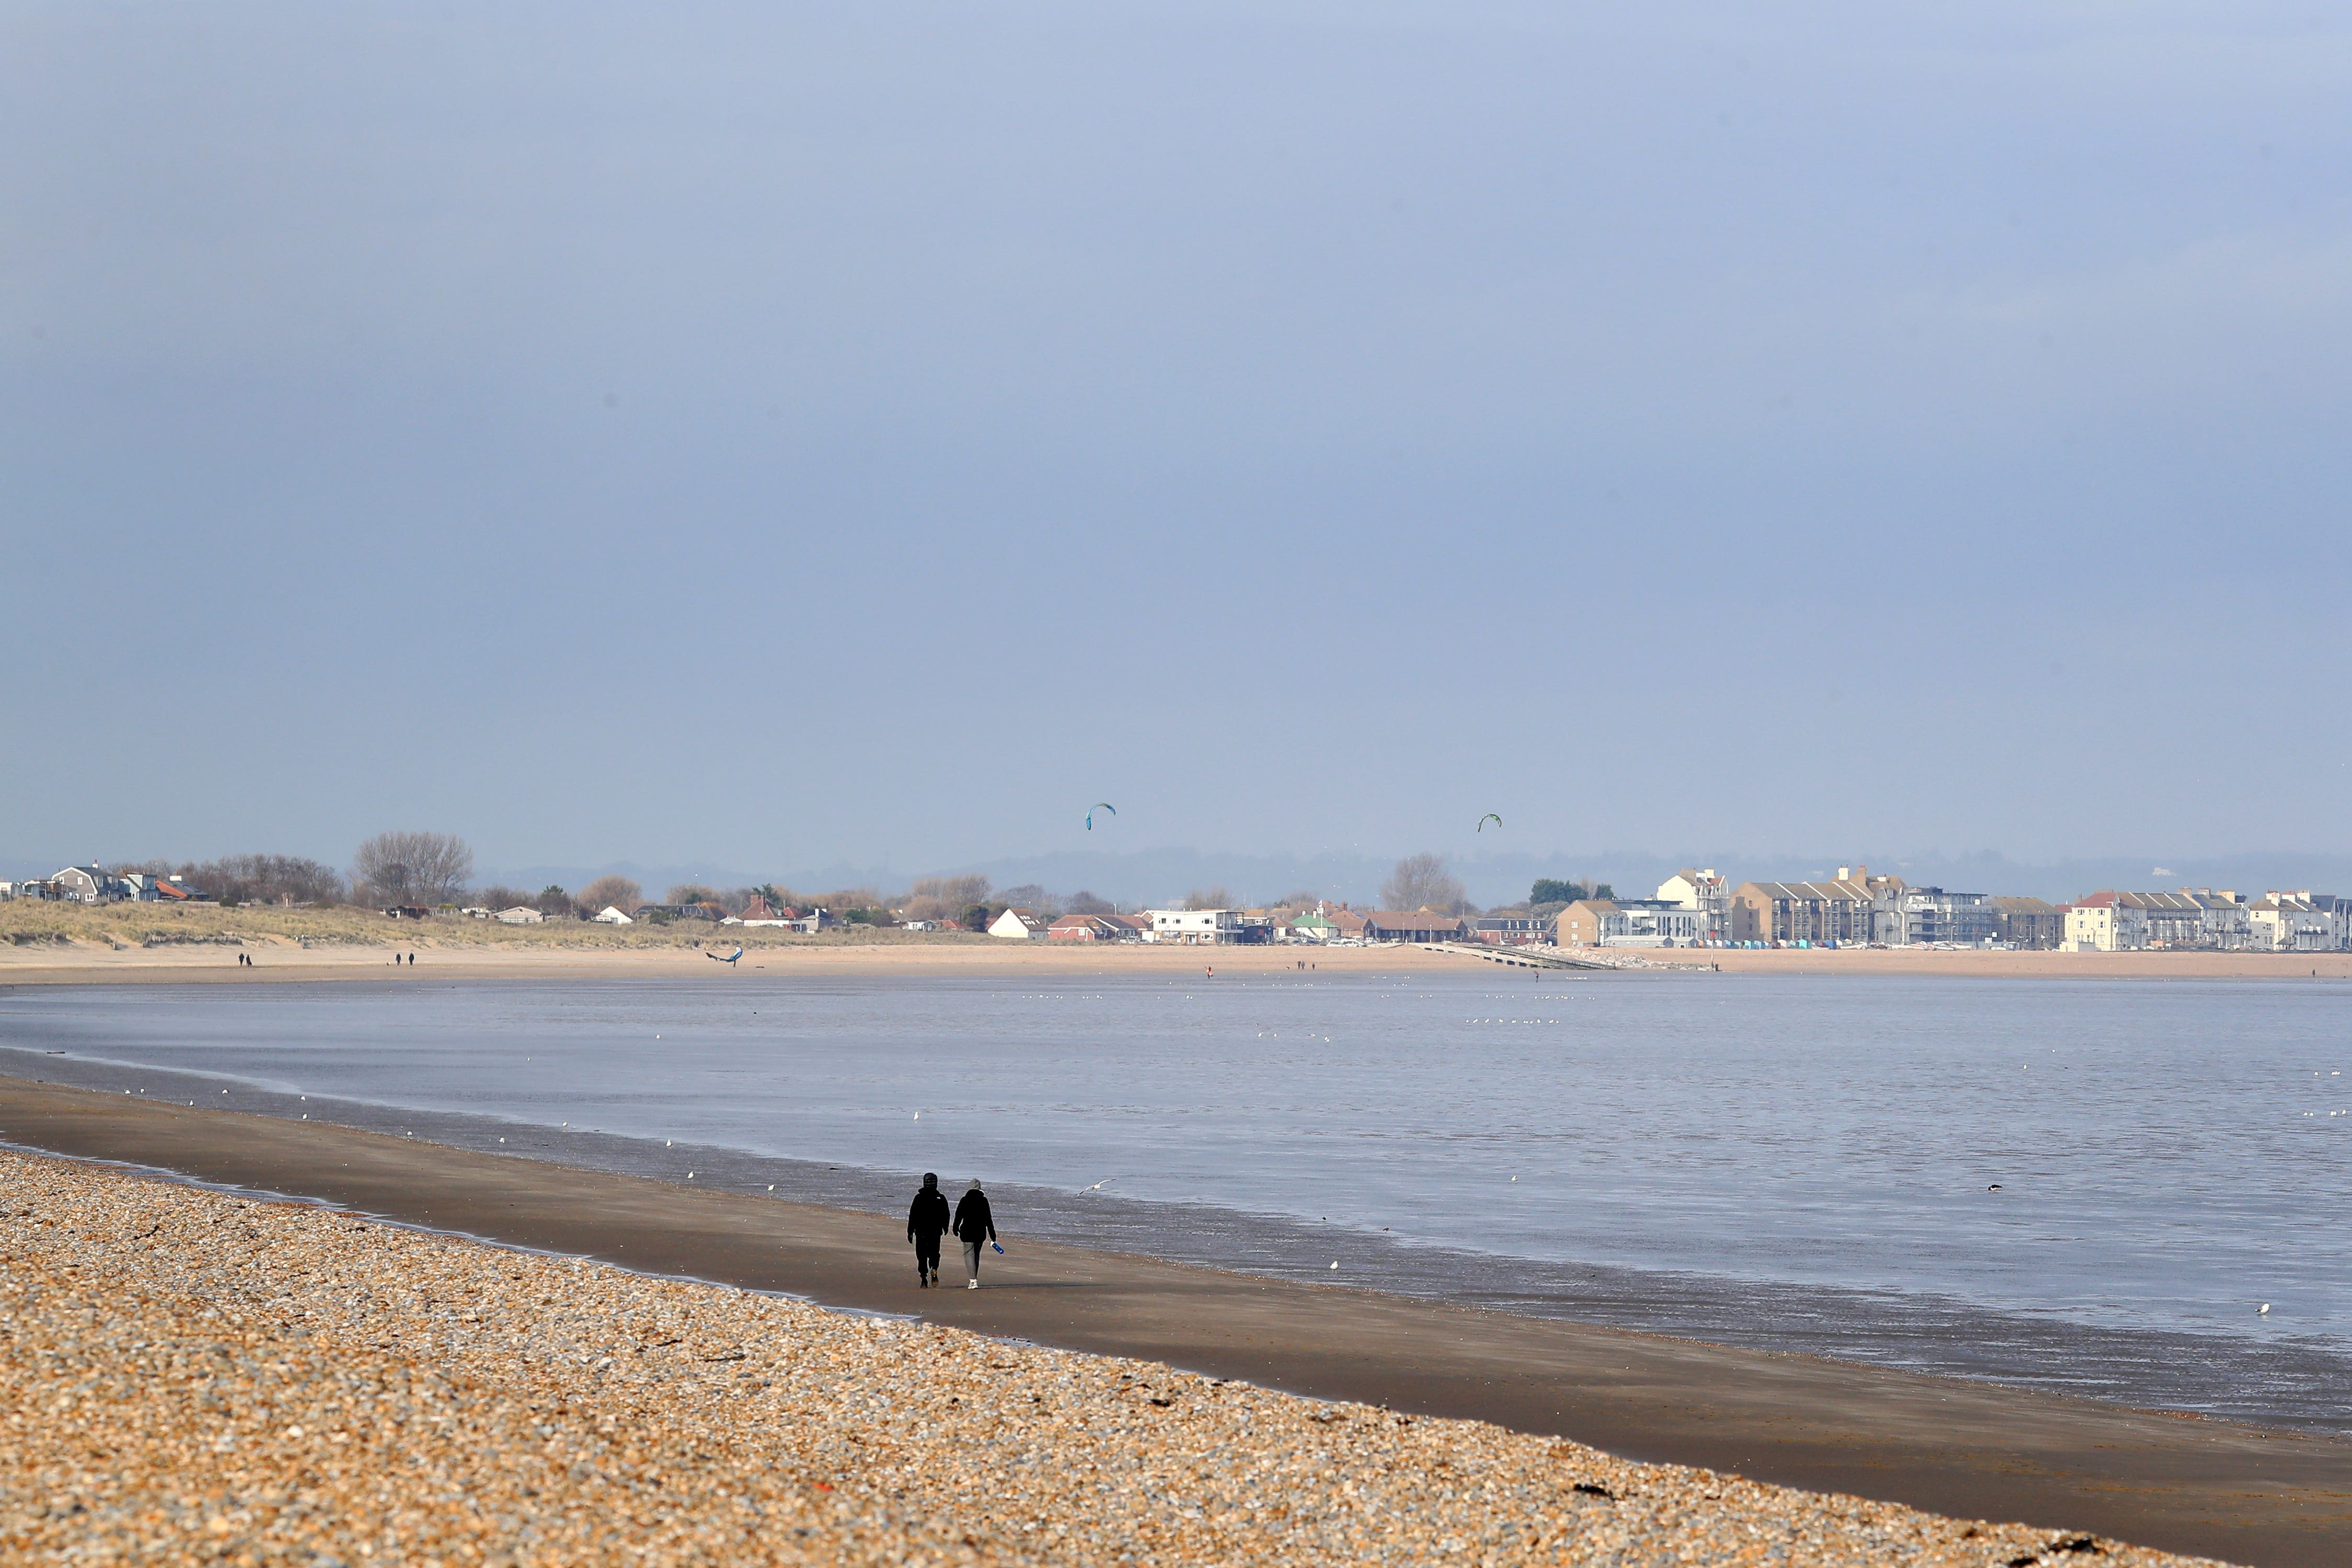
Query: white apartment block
[[1704, 891], [1193, 927], [2104, 927], [2291, 922]]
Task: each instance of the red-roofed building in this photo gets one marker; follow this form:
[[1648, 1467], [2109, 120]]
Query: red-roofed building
[[1090, 928]]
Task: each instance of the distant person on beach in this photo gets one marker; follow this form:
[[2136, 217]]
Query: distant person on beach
[[973, 1226], [926, 1221]]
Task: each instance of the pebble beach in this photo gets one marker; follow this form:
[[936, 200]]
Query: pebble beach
[[196, 1376]]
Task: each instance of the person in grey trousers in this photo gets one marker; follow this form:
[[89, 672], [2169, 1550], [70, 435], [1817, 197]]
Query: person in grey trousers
[[973, 1226]]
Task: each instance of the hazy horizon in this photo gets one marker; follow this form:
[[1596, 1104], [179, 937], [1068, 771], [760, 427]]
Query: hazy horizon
[[773, 436]]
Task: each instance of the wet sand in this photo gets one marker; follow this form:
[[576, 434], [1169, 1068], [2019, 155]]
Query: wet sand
[[212, 1379], [1952, 1447]]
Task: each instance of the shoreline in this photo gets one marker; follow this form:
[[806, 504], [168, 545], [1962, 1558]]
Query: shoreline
[[269, 1381], [2250, 1494], [278, 960]]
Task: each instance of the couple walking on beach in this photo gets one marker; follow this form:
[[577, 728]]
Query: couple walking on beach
[[973, 1225]]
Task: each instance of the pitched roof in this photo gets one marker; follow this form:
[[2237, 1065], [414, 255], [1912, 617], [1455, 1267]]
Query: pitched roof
[[1410, 920], [2109, 898], [1809, 892]]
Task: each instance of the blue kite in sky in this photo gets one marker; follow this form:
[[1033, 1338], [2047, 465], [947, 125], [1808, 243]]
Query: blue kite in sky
[[1098, 805]]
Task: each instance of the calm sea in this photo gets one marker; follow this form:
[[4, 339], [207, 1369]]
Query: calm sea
[[2080, 1185]]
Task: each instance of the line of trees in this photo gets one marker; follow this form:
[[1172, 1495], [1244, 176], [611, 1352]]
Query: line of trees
[[432, 869]]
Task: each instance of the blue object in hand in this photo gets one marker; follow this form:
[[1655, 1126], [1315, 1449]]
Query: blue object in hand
[[998, 1245]]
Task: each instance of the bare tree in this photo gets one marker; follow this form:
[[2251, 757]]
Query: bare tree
[[611, 891], [1033, 897], [971, 888], [691, 893], [498, 896], [1302, 899], [265, 879], [1084, 903], [422, 869], [1422, 883], [1208, 899], [944, 898]]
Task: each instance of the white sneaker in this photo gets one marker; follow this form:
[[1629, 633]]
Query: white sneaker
[[971, 1284]]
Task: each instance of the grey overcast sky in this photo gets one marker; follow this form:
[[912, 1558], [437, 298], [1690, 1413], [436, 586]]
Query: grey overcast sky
[[774, 432]]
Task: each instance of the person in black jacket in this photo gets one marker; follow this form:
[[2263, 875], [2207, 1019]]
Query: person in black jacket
[[973, 1226], [925, 1221]]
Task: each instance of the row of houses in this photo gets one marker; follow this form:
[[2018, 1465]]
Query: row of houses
[[1855, 909], [2219, 919], [96, 884], [1221, 928], [1699, 908]]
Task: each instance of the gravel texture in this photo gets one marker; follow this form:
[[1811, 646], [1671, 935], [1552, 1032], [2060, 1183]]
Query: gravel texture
[[194, 1377]]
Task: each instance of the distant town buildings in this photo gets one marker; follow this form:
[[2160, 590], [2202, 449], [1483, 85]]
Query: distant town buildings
[[1630, 922], [1024, 924], [2029, 923], [1198, 928], [1414, 925], [95, 885], [1704, 892], [1695, 907], [1088, 928], [1513, 929], [2294, 923], [1917, 917], [1837, 913]]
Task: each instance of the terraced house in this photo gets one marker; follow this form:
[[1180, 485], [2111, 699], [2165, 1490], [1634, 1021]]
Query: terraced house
[[1840, 912]]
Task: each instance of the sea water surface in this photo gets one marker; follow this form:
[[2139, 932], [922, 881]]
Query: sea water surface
[[2086, 1186]]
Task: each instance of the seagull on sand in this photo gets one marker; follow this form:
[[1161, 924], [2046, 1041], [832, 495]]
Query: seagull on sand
[[1100, 1186]]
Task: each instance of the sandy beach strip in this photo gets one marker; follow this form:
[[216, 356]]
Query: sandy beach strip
[[278, 959], [194, 1376]]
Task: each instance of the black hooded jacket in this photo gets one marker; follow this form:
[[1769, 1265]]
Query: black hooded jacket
[[929, 1216], [972, 1220]]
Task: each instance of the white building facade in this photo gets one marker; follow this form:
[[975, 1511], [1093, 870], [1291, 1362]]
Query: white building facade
[[1704, 893], [2104, 927], [1205, 928], [2291, 922], [1019, 925]]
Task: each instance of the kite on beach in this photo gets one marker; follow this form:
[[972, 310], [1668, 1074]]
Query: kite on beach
[[1098, 805], [726, 958], [1490, 817]]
